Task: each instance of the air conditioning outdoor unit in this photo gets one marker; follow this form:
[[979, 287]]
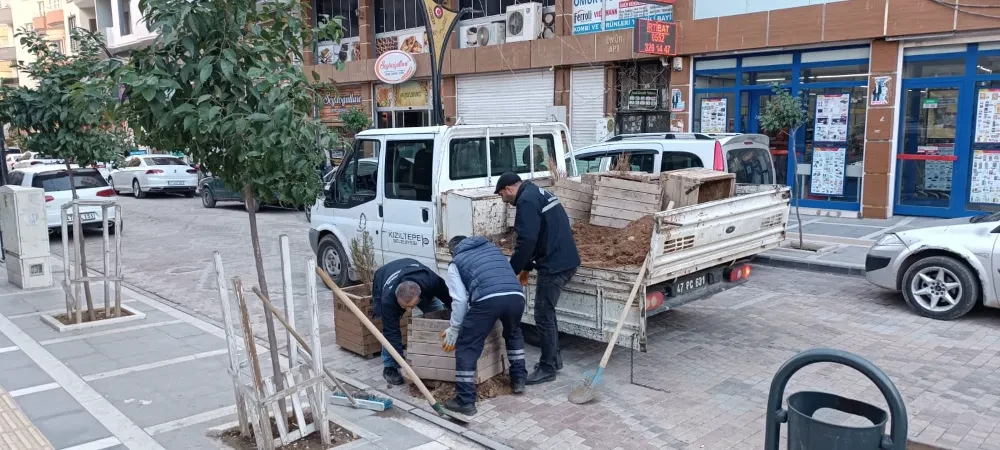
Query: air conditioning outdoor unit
[[524, 22], [482, 35]]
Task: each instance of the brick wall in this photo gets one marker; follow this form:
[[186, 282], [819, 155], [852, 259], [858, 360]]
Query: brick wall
[[879, 150]]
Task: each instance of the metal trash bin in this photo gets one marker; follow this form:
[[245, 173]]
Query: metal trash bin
[[806, 432]]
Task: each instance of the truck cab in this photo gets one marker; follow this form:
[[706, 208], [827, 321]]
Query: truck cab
[[391, 184]]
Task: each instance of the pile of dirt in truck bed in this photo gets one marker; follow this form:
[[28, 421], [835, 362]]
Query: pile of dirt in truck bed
[[605, 246], [601, 246]]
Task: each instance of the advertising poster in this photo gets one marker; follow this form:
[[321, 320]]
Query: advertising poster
[[988, 117], [828, 171], [937, 174], [713, 115], [880, 93], [985, 185], [676, 104], [831, 118], [593, 16]]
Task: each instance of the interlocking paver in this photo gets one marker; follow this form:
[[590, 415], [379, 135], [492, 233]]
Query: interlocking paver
[[16, 431]]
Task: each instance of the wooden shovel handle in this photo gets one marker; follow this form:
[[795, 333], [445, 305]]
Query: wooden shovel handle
[[621, 320], [340, 295]]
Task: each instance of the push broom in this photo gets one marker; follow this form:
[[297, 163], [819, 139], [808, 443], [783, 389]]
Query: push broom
[[371, 402]]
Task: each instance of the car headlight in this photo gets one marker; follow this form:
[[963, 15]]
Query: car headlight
[[889, 240]]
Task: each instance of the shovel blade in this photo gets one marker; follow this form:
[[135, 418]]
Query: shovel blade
[[583, 392]]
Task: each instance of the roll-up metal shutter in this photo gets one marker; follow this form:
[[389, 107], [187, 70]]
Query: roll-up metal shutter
[[504, 97], [586, 104]]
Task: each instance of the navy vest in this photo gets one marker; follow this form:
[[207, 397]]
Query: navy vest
[[484, 269]]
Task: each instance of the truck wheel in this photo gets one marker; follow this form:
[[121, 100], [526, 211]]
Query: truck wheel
[[333, 259], [941, 288]]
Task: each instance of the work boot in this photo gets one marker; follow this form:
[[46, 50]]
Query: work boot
[[455, 406], [391, 374], [540, 376], [517, 386]]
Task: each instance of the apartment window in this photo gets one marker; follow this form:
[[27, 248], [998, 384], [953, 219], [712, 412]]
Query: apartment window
[[6, 70], [74, 44], [340, 8], [4, 36], [393, 15], [485, 8], [124, 18], [41, 9], [54, 5]]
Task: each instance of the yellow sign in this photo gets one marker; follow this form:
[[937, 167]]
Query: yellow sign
[[411, 95], [439, 20]]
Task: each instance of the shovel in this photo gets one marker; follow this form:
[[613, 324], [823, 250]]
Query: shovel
[[586, 391]]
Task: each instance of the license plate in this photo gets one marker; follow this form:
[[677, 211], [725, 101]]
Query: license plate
[[690, 284], [84, 216], [175, 183]]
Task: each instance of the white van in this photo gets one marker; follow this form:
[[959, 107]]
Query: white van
[[748, 156]]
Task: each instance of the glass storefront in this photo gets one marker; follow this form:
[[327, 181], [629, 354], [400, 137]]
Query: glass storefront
[[403, 105], [948, 155], [731, 92]]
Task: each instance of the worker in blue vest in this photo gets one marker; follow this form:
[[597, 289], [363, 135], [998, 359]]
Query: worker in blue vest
[[544, 243], [400, 286], [483, 289]]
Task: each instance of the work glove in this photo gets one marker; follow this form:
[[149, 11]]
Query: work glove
[[449, 338], [523, 277]]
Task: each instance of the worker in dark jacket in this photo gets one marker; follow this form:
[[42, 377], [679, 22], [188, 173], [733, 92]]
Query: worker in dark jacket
[[544, 243], [483, 290], [398, 287]]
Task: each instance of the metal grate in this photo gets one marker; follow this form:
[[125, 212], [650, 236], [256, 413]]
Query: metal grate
[[771, 221], [676, 245]]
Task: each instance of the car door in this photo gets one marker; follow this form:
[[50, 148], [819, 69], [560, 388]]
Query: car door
[[353, 204], [122, 178], [408, 207]]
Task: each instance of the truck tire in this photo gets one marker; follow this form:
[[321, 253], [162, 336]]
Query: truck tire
[[940, 287], [331, 257]]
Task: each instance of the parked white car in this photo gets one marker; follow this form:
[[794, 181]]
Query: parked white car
[[29, 159], [55, 181], [10, 159], [143, 174]]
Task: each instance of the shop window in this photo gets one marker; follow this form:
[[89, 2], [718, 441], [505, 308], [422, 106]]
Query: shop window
[[988, 65], [714, 113], [467, 158], [935, 68], [853, 72], [647, 75], [846, 184], [721, 80], [767, 77], [679, 160], [347, 9], [408, 168], [355, 182], [486, 8], [395, 15]]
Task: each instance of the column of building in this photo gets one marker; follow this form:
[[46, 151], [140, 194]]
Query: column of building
[[879, 149]]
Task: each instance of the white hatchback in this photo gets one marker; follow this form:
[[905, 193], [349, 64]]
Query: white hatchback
[[143, 174], [55, 181], [30, 159]]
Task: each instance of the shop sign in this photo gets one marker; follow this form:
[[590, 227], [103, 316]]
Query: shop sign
[[336, 103], [411, 95], [440, 20], [642, 99], [395, 67], [593, 16], [655, 37]]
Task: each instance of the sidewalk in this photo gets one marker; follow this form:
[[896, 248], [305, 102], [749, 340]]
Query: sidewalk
[[840, 243], [154, 383]]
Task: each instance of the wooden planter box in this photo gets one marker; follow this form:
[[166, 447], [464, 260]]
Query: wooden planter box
[[351, 333], [576, 199], [618, 202], [431, 362], [696, 185]]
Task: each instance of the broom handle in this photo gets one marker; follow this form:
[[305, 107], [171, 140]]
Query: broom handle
[[302, 342], [621, 320], [339, 294]]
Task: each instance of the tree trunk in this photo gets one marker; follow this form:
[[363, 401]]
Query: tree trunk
[[81, 242], [796, 189], [272, 338]]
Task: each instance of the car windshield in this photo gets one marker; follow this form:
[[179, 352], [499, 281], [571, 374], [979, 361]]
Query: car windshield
[[163, 161], [58, 181]]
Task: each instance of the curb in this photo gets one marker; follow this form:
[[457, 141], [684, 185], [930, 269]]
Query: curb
[[811, 265]]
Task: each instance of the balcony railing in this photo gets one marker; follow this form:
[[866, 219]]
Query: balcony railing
[[55, 18]]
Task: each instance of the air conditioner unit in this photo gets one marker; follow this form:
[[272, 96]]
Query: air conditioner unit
[[524, 22], [482, 35]]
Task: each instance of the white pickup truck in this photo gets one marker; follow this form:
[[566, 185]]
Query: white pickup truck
[[413, 189]]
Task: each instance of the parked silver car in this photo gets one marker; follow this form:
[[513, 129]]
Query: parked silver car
[[944, 271]]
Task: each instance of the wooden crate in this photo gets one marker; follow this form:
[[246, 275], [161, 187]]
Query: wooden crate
[[576, 198], [618, 202], [430, 362], [351, 334], [696, 185], [512, 211]]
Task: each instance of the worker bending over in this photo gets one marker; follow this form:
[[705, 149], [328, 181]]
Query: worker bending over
[[398, 287], [483, 289]]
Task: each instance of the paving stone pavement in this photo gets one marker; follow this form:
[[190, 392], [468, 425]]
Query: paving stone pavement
[[17, 432]]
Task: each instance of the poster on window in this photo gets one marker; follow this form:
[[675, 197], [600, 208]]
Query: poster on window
[[988, 117], [713, 115], [831, 118], [937, 174], [828, 171], [593, 16], [985, 185]]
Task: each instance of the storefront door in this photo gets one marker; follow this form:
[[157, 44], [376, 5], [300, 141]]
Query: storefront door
[[779, 139], [933, 151]]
